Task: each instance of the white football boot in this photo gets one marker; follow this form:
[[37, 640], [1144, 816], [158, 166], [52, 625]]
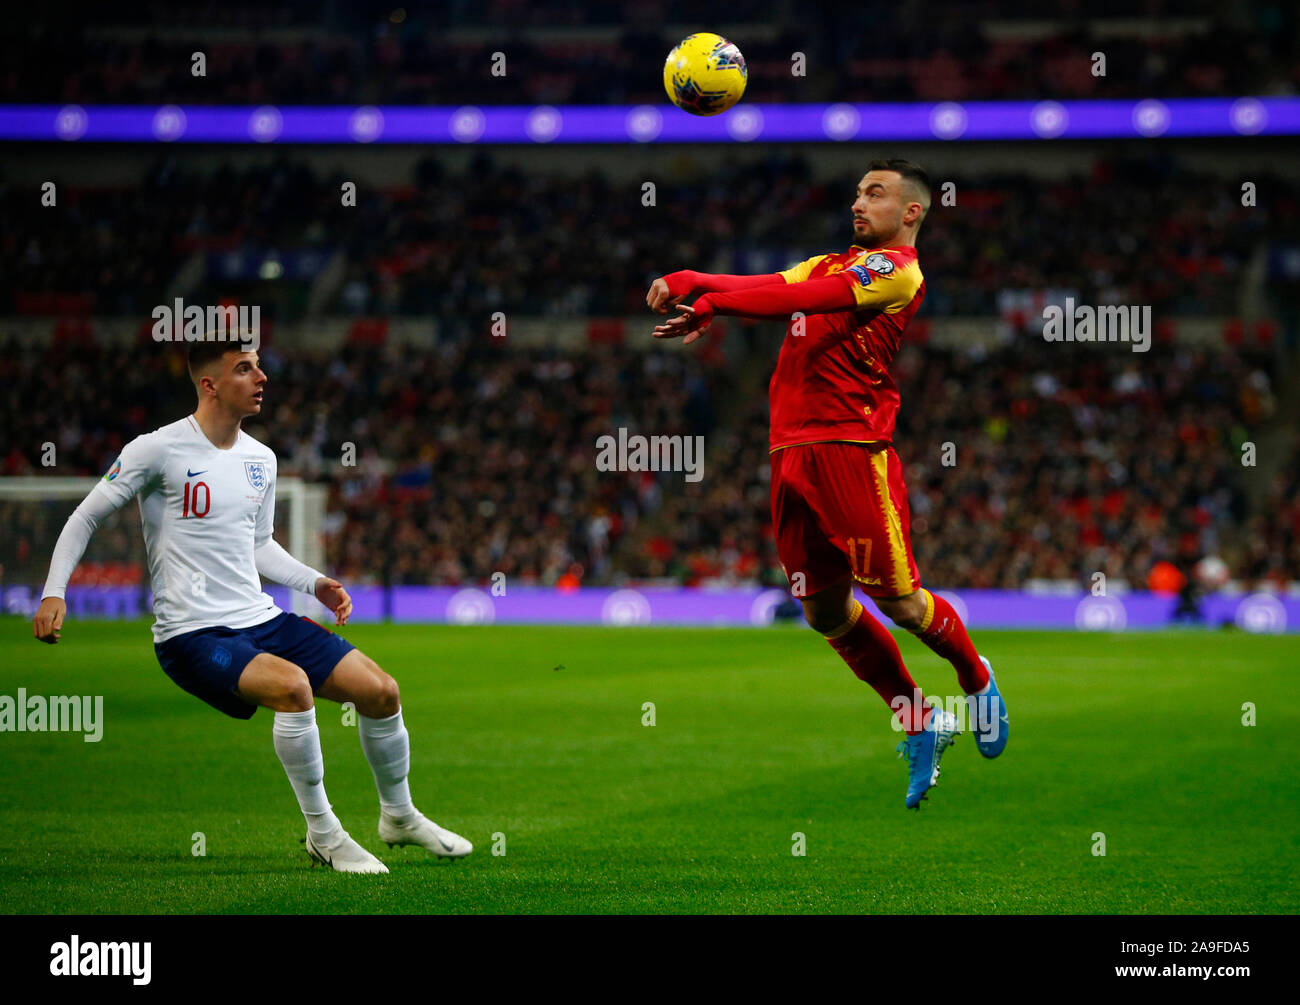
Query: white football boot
[[342, 854], [422, 831]]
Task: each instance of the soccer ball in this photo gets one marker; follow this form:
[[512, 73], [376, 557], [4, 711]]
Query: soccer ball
[[705, 74]]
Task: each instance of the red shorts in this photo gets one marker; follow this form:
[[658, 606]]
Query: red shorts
[[840, 509]]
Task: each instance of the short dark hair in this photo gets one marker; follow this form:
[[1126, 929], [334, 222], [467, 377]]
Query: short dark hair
[[913, 176], [200, 354], [909, 171]]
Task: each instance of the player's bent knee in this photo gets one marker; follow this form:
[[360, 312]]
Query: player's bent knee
[[378, 696], [293, 693], [823, 618], [829, 609], [388, 699], [818, 621], [298, 695], [278, 685], [906, 612]]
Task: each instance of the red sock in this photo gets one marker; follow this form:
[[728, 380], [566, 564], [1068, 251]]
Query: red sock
[[943, 632], [871, 653]]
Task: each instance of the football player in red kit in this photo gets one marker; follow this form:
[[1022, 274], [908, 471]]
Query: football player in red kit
[[839, 502]]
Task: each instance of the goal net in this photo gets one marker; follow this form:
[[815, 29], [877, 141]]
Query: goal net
[[112, 579]]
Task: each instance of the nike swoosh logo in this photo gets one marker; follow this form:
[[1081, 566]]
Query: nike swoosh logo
[[316, 853], [193, 474], [445, 845]]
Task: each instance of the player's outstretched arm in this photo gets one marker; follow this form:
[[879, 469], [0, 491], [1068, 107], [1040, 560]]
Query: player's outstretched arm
[[814, 296], [130, 474], [670, 290]]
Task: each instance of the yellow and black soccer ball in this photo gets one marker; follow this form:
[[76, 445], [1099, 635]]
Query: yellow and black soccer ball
[[705, 74]]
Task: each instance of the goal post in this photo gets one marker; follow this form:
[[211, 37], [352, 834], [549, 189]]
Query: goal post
[[305, 502], [33, 511]]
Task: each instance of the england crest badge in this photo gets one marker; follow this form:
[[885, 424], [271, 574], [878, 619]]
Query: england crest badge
[[256, 471]]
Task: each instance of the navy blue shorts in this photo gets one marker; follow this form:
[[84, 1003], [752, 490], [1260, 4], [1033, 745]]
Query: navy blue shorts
[[207, 662]]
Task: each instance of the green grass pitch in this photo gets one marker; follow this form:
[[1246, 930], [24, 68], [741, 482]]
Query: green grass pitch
[[536, 734]]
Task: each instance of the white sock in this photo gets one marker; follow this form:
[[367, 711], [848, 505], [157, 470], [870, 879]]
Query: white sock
[[387, 746], [297, 744]]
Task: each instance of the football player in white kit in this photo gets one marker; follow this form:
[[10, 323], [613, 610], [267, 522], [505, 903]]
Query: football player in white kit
[[207, 503]]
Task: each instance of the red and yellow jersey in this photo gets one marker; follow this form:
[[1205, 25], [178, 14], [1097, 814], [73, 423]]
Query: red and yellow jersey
[[832, 379]]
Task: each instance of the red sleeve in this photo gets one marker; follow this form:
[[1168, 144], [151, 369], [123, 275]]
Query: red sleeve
[[683, 284], [815, 296]]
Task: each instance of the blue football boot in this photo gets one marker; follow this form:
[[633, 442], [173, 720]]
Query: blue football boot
[[923, 752], [988, 717]]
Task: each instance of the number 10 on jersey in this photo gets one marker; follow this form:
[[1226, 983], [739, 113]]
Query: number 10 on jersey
[[196, 502]]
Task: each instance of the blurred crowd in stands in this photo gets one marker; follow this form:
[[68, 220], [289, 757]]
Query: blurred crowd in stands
[[1065, 462], [1271, 534], [460, 245], [478, 458], [467, 461], [584, 52]]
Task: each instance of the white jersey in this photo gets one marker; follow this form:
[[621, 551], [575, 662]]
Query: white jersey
[[207, 514]]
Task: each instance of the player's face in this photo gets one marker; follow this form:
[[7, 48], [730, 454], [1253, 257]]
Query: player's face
[[240, 385], [878, 209]]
